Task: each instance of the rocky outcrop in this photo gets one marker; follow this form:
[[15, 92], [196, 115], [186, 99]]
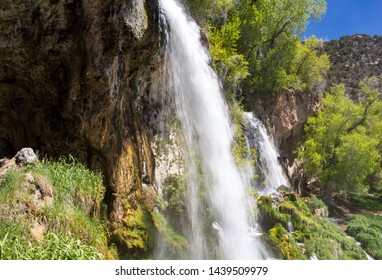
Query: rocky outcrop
[[81, 78], [285, 116]]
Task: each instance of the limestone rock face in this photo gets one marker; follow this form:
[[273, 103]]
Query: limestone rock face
[[286, 115], [81, 77]]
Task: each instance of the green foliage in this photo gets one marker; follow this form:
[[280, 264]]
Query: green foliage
[[271, 44], [324, 248], [256, 46], [70, 226], [73, 182], [366, 201], [286, 245], [15, 246], [205, 11], [230, 66], [367, 230], [174, 191], [315, 203], [341, 146], [318, 235]]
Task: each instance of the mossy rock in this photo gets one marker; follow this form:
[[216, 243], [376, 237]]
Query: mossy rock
[[288, 208], [175, 245], [285, 243], [270, 215], [135, 238], [319, 235]]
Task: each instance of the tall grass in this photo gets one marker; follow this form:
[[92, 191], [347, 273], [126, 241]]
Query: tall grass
[[9, 186], [73, 227], [14, 245], [73, 183]]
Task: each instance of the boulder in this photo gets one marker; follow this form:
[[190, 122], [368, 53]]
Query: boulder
[[25, 156]]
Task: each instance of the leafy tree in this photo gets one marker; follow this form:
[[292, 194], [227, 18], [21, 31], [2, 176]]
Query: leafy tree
[[342, 144], [257, 43], [207, 11], [231, 66], [270, 41]]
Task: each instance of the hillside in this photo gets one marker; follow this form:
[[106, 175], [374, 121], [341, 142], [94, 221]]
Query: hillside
[[354, 58]]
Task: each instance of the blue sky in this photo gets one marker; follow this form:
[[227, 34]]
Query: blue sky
[[348, 17]]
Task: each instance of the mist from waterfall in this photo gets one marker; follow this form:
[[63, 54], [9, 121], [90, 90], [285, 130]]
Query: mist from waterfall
[[215, 185]]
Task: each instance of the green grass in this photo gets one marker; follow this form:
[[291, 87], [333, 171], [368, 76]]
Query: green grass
[[9, 187], [14, 245], [74, 229], [367, 202], [73, 182]]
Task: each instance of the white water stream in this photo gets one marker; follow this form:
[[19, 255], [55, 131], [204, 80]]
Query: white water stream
[[208, 136], [270, 168]]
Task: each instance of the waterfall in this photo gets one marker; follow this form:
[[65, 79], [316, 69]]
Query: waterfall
[[269, 168], [215, 185]]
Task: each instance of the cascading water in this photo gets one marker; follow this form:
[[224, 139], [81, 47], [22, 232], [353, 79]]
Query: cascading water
[[269, 167], [208, 136]]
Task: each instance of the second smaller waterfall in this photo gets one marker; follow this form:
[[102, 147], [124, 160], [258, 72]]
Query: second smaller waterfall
[[268, 168]]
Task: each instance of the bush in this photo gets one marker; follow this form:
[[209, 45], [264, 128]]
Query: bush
[[368, 231], [315, 203]]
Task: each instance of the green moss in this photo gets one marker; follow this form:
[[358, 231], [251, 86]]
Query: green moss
[[271, 215], [319, 235], [285, 243], [239, 148], [134, 238], [314, 203], [176, 245]]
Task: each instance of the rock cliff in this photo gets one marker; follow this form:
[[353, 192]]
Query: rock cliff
[[81, 77], [286, 115]]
